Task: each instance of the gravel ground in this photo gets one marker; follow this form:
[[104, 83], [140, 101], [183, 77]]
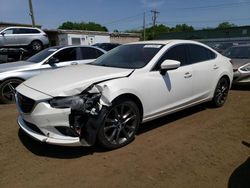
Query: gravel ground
[[197, 147]]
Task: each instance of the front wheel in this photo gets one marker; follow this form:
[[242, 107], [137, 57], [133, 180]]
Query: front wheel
[[7, 90], [221, 92], [119, 125]]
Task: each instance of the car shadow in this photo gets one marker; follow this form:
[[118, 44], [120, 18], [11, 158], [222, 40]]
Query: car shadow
[[53, 151], [241, 87], [240, 178], [171, 118]]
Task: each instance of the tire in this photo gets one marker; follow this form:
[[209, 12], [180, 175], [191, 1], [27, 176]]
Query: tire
[[119, 125], [7, 90], [36, 45], [221, 92]]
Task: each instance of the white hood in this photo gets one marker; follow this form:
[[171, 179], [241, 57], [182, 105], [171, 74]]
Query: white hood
[[73, 80]]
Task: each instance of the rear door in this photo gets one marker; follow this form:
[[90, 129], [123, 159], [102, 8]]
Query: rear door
[[24, 36], [205, 69]]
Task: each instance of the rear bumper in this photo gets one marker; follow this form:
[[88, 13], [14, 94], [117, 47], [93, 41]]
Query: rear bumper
[[67, 141]]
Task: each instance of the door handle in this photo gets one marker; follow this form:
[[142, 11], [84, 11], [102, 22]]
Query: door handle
[[74, 63], [187, 75], [216, 67]]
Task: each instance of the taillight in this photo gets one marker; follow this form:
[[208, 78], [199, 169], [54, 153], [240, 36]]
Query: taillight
[[45, 35]]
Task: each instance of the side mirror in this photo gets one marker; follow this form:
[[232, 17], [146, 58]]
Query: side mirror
[[53, 60], [169, 65], [3, 33]]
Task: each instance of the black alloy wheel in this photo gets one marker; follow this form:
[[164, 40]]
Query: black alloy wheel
[[7, 90], [120, 124], [221, 92]]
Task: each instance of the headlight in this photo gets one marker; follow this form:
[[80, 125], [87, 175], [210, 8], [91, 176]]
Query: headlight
[[65, 102], [245, 68], [82, 102]]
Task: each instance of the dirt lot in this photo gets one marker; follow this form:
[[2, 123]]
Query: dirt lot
[[198, 147]]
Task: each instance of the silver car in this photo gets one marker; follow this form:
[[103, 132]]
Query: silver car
[[12, 74], [34, 38], [240, 56]]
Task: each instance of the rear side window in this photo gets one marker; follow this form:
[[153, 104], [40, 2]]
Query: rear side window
[[90, 53], [26, 31], [177, 53], [68, 54], [199, 53]]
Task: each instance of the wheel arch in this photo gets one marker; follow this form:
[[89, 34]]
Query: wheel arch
[[36, 40], [134, 98], [227, 78], [10, 78]]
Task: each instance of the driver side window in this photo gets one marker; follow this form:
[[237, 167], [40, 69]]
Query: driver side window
[[68, 54], [178, 53], [9, 31]]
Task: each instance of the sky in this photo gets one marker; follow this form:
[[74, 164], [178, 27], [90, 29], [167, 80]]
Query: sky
[[125, 15]]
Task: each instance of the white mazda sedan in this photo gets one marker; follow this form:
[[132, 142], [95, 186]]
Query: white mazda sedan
[[107, 100]]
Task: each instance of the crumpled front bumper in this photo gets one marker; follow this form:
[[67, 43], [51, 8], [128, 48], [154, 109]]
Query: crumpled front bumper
[[67, 141]]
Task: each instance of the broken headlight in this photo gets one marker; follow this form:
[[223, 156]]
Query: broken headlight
[[84, 102]]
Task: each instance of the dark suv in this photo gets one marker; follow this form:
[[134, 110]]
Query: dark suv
[[106, 46]]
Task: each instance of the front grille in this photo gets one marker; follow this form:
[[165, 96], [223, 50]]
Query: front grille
[[33, 128], [26, 104]]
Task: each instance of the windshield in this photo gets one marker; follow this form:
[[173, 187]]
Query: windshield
[[238, 52], [42, 55], [132, 56]]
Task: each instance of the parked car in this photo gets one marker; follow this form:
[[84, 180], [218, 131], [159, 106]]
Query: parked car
[[106, 100], [221, 47], [106, 46], [240, 56], [31, 37], [12, 74]]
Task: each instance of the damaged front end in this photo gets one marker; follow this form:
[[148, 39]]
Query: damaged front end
[[87, 112]]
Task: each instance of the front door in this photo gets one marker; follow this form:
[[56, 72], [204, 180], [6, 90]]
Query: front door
[[65, 57], [172, 90]]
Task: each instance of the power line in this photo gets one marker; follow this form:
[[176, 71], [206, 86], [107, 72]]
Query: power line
[[202, 21], [124, 19], [211, 6]]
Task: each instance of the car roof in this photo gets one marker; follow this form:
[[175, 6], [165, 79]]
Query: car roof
[[21, 27], [68, 46], [164, 42]]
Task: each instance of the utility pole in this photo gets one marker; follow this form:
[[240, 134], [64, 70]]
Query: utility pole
[[32, 13], [144, 26], [154, 17]]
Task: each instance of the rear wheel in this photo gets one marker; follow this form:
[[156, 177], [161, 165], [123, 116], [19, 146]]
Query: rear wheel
[[7, 90], [36, 46], [119, 125], [221, 92]]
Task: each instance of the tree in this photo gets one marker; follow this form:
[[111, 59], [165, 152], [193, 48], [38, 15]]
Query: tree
[[225, 25], [182, 28], [90, 26], [154, 31]]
